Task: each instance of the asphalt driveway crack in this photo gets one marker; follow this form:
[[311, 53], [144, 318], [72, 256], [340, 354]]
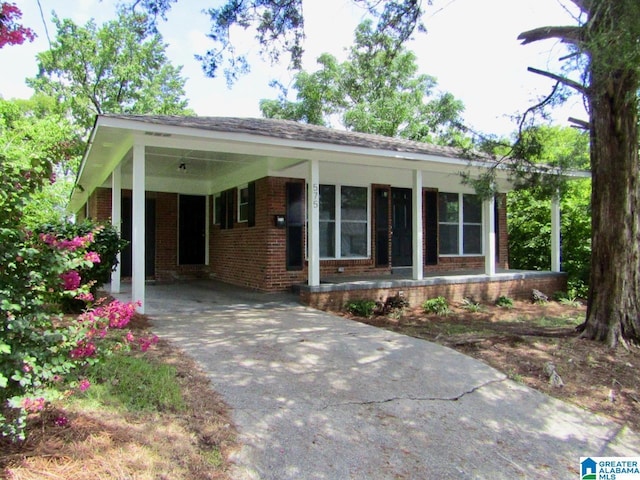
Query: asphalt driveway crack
[[418, 399]]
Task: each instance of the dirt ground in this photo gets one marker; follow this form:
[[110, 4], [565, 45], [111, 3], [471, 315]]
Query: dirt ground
[[527, 339], [101, 443]]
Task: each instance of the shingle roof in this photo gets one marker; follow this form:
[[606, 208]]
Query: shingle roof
[[290, 130]]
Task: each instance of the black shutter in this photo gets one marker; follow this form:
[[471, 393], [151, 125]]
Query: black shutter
[[295, 225], [226, 209], [496, 213], [431, 227], [223, 210], [230, 207], [252, 204]]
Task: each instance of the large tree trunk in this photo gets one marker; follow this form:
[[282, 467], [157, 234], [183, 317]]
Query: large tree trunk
[[613, 310]]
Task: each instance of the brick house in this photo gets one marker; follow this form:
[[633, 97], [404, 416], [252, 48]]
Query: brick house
[[272, 205]]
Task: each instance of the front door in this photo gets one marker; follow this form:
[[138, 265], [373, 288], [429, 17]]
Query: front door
[[192, 229], [401, 227]]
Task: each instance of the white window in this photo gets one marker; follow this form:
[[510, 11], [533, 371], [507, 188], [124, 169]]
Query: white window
[[460, 222], [243, 203], [344, 221]]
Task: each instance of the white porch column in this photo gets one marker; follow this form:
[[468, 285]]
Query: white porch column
[[555, 233], [418, 237], [313, 209], [489, 234], [138, 224], [116, 220]]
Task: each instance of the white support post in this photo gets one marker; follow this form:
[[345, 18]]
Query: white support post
[[418, 238], [555, 233], [489, 230], [313, 209], [138, 224], [116, 220]]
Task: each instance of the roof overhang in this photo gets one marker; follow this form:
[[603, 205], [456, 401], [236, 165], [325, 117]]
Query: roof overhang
[[233, 149]]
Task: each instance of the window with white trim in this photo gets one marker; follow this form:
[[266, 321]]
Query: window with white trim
[[344, 221], [460, 224], [243, 203]]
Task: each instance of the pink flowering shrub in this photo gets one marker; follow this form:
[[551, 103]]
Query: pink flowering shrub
[[43, 353]]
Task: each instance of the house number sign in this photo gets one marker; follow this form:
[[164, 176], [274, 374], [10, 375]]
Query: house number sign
[[316, 195]]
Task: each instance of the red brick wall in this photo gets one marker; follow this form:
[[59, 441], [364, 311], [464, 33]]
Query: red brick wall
[[479, 290], [255, 256]]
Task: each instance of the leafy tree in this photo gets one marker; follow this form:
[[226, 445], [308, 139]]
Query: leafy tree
[[528, 210], [11, 31], [35, 128], [377, 90], [606, 46], [116, 68]]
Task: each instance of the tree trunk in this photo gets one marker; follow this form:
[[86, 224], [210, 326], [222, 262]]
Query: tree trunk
[[613, 310]]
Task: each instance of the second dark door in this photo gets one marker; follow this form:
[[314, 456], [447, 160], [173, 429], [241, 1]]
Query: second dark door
[[401, 227]]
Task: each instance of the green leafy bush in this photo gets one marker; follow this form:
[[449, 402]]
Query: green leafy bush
[[472, 306], [107, 243], [361, 308], [504, 302], [437, 305]]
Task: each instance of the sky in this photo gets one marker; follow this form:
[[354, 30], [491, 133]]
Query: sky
[[470, 47]]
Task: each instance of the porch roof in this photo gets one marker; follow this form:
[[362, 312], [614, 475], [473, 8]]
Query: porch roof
[[223, 146], [290, 130]]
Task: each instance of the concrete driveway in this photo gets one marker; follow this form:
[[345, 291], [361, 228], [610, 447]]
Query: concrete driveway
[[315, 396]]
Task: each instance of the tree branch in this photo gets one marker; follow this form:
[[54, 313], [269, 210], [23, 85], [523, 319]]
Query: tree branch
[[565, 81], [582, 124], [583, 5], [567, 34]]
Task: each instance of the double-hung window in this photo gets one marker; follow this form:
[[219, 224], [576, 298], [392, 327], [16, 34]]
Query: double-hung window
[[243, 203], [460, 224], [344, 214]]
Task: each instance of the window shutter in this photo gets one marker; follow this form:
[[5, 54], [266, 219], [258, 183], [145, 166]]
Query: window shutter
[[295, 225], [252, 204], [431, 227]]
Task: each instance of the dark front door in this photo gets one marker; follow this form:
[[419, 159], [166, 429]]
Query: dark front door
[[192, 229], [149, 237], [401, 227], [382, 227]]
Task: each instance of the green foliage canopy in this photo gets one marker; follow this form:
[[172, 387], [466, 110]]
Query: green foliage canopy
[[376, 90], [115, 68], [529, 221]]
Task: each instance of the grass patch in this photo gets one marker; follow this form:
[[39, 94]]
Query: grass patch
[[554, 322], [136, 384]]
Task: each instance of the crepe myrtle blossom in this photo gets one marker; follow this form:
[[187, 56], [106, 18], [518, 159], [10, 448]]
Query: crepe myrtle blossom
[[33, 405], [69, 244], [92, 257], [71, 280]]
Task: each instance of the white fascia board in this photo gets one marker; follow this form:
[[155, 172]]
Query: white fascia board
[[169, 136]]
